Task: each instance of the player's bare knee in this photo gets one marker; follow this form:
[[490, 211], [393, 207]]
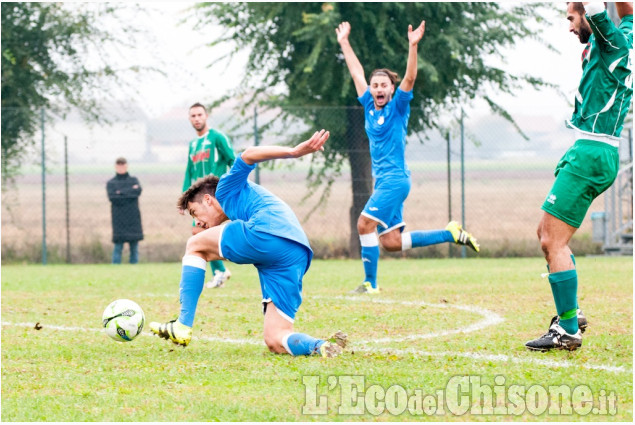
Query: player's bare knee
[[190, 246], [365, 225], [274, 343]]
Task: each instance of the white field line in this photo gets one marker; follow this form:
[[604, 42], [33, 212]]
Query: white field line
[[238, 341], [489, 318], [501, 358]]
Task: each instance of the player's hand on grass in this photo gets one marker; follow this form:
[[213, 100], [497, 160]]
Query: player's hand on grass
[[314, 144], [414, 36], [342, 31]]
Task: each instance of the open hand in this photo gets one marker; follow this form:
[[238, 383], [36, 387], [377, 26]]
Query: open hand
[[415, 35], [342, 31], [314, 144]]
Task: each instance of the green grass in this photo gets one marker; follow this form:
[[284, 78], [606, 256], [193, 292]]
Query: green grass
[[54, 374]]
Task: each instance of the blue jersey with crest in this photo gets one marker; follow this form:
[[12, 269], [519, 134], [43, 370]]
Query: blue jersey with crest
[[260, 209], [386, 129]]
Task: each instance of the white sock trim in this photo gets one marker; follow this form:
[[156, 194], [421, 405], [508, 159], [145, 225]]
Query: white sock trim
[[220, 238], [369, 239], [406, 241], [285, 342], [194, 261]]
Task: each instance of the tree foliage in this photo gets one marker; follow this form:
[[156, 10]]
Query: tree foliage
[[294, 44], [53, 56], [295, 63]]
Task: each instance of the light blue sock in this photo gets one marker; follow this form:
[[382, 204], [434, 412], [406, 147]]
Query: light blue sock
[[426, 237], [298, 344], [191, 286], [370, 257]]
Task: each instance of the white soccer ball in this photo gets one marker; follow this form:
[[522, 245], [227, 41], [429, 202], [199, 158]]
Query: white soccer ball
[[123, 320]]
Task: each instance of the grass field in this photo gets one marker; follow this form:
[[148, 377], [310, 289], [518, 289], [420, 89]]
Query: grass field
[[435, 322]]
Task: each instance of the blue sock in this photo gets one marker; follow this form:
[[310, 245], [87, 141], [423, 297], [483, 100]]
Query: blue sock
[[429, 237], [564, 286], [370, 257], [191, 286], [298, 344]]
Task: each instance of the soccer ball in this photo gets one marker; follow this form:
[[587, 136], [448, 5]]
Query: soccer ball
[[123, 320]]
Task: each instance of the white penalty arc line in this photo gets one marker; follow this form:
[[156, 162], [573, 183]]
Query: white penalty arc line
[[489, 318], [474, 356]]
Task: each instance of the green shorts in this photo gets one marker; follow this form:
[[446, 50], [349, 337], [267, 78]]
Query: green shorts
[[586, 170]]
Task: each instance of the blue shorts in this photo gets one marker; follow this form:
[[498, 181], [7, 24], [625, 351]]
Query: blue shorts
[[281, 263], [385, 206]]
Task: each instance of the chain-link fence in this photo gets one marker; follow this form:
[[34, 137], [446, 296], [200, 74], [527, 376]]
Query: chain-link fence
[[497, 192]]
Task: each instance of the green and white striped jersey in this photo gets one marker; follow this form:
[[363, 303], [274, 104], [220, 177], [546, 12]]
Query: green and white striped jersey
[[606, 88], [209, 154]]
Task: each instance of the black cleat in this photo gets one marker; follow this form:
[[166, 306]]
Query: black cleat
[[556, 339]]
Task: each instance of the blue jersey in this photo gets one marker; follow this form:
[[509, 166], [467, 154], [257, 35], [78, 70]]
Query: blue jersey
[[386, 129], [260, 209]]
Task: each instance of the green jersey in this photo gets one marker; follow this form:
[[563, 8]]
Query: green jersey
[[208, 154], [606, 88]]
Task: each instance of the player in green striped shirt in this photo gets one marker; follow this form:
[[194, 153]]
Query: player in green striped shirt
[[590, 166], [209, 153]]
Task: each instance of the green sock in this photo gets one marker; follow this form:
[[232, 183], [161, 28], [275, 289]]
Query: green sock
[[564, 287], [577, 304], [217, 265]]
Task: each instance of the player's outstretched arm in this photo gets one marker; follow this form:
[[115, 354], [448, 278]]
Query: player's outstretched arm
[[414, 36], [354, 65], [255, 154]]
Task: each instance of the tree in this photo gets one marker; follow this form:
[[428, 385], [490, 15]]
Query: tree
[[53, 56], [293, 45]]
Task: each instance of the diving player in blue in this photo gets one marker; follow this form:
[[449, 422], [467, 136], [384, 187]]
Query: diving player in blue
[[386, 112], [263, 231]]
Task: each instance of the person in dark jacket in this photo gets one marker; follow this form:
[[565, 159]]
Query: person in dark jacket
[[124, 191]]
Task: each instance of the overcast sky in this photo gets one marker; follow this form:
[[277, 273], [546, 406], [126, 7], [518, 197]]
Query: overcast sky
[[189, 79]]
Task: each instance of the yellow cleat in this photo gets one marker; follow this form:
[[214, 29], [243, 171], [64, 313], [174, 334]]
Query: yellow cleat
[[462, 237], [174, 331], [366, 288]]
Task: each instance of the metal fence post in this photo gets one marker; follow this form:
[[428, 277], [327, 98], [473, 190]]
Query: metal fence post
[[449, 189], [43, 190], [256, 143], [463, 248], [68, 221]]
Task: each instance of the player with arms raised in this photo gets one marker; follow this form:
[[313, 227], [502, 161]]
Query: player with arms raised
[[386, 114]]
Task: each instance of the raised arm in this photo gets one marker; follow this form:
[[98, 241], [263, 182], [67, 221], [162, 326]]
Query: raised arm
[[414, 36], [354, 65], [256, 154]]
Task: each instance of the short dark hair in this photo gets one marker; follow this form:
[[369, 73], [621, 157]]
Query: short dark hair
[[198, 105], [578, 7], [121, 160], [394, 77], [203, 186]]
